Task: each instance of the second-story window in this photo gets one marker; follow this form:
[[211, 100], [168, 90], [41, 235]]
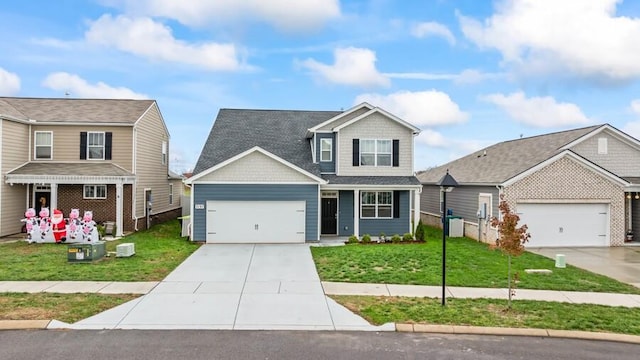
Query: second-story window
[[95, 145], [164, 153], [375, 152], [326, 149], [43, 145]]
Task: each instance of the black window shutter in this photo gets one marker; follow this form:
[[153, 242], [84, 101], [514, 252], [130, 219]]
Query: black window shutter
[[396, 204], [83, 145], [396, 153], [107, 145], [356, 152]]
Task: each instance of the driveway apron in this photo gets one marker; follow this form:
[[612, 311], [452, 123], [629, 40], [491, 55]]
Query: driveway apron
[[236, 286]]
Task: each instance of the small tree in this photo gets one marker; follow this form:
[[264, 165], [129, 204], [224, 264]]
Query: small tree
[[511, 237], [420, 231]]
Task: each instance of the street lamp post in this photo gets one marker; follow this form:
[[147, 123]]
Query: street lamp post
[[447, 183]]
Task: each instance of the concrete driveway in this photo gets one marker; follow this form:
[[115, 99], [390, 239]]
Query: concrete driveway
[[241, 286], [620, 263]]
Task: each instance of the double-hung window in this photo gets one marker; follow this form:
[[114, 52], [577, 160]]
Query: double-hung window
[[326, 149], [375, 152], [95, 191], [376, 204], [164, 153], [43, 145], [95, 145]]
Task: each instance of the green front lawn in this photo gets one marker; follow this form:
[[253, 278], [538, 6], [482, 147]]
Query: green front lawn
[[159, 250], [469, 263], [490, 312]]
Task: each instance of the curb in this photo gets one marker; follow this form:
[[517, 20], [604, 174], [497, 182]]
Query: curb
[[479, 330], [24, 324]]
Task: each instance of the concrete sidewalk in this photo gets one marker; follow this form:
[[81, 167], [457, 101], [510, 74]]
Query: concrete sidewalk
[[338, 288]]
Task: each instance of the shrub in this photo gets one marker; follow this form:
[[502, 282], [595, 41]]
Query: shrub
[[352, 239], [407, 237], [366, 238], [396, 239], [420, 231]]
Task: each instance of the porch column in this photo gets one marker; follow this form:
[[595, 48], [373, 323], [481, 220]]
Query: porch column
[[119, 207], [416, 209], [356, 213], [53, 204]]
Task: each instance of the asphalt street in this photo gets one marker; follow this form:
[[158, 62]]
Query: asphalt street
[[203, 344]]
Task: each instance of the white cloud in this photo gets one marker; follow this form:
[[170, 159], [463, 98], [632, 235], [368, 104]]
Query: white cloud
[[147, 38], [421, 108], [467, 76], [432, 138], [9, 83], [538, 111], [578, 38], [285, 15], [427, 29], [80, 88], [635, 106], [352, 66]]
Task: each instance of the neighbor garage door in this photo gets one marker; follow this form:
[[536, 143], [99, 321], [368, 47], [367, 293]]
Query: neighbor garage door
[[566, 225], [255, 221]]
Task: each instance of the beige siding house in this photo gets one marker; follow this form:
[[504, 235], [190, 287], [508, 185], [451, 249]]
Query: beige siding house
[[107, 156], [572, 188]]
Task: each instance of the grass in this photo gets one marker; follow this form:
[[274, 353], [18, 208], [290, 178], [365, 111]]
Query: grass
[[469, 263], [159, 250], [64, 307], [489, 312]]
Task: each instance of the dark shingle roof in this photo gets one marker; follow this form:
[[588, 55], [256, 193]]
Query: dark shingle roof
[[371, 180], [280, 132], [115, 111], [86, 168], [504, 160]]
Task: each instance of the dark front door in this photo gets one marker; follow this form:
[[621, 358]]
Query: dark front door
[[329, 216], [42, 199]]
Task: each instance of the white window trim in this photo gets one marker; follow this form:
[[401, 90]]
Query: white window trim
[[95, 191], [35, 145], [330, 141], [377, 204], [104, 140], [164, 153], [376, 153]]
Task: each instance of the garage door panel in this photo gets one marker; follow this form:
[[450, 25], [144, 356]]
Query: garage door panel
[[565, 225], [256, 221]]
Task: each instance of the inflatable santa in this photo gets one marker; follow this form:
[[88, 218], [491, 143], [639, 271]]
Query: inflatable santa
[[58, 226]]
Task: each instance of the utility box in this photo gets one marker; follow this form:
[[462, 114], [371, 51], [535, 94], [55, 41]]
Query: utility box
[[85, 252], [125, 250], [456, 226]]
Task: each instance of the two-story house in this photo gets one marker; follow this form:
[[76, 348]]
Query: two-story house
[[107, 156], [578, 187], [294, 176]]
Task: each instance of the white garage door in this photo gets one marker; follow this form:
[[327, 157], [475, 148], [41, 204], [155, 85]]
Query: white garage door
[[255, 221], [566, 225]]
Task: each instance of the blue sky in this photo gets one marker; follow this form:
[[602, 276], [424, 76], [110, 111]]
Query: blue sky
[[469, 73]]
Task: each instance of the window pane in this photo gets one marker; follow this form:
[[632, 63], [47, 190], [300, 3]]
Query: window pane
[[384, 211], [368, 198], [368, 211], [325, 144], [384, 160], [96, 152], [384, 146], [96, 139], [88, 191], [367, 159], [384, 197], [43, 152], [43, 138], [367, 146], [101, 191], [325, 155]]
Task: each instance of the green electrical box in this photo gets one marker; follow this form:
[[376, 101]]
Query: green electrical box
[[85, 252]]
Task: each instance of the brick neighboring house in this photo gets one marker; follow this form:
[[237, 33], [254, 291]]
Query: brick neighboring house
[[107, 156], [572, 188]]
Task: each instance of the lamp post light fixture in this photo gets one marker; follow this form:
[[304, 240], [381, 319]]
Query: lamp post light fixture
[[447, 183]]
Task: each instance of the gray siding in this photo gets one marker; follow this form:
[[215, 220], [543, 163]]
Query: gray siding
[[253, 192], [326, 167], [345, 213], [463, 200], [399, 225]]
